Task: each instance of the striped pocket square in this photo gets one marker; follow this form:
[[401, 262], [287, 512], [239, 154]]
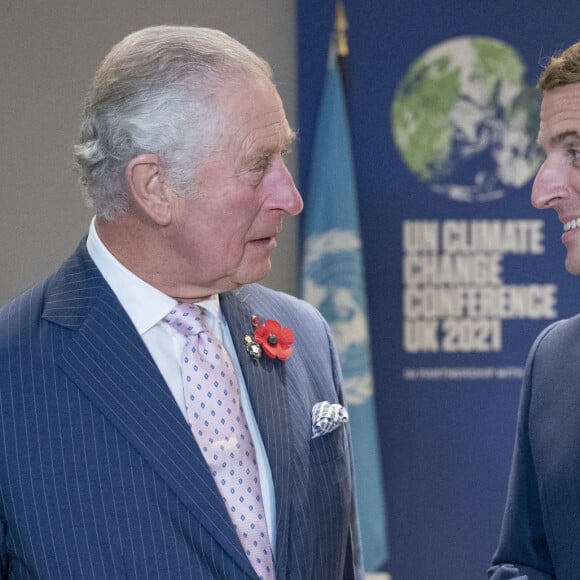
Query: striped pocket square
[[326, 417]]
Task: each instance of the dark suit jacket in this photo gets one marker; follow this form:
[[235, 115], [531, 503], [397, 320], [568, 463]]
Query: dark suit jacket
[[100, 476], [540, 537]]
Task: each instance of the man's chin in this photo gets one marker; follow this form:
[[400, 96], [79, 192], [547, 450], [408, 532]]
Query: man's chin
[[573, 265], [256, 274], [262, 275]]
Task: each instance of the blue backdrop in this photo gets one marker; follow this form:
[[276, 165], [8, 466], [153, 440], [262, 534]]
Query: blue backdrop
[[461, 271]]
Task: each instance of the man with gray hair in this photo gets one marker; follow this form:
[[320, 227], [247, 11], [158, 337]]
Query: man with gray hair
[[162, 415]]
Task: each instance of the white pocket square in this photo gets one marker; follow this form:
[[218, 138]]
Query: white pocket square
[[326, 417]]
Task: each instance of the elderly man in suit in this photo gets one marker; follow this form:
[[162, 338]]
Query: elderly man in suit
[[540, 536], [162, 415]]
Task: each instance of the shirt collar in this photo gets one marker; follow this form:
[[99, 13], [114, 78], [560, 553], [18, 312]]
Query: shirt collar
[[144, 304]]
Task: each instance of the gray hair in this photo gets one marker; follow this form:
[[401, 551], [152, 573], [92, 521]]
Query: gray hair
[[155, 93]]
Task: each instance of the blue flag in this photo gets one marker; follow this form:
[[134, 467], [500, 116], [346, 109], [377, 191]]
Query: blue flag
[[333, 281]]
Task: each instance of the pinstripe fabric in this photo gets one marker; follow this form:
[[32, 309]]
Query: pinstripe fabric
[[100, 476], [317, 526]]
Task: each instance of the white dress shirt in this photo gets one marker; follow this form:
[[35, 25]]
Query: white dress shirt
[[146, 307]]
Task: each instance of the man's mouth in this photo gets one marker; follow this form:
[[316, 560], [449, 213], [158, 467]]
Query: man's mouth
[[271, 241], [572, 224]]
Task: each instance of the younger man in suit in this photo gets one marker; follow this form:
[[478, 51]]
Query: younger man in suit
[[161, 415], [541, 527]]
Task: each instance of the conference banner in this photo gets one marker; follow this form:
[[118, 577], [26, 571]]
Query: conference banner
[[461, 272]]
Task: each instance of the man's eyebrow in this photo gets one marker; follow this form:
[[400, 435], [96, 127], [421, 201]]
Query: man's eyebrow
[[285, 143], [557, 139]]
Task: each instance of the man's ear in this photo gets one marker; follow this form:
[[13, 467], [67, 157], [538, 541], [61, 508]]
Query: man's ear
[[144, 178]]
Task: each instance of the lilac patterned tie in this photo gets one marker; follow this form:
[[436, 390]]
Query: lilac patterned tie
[[218, 423]]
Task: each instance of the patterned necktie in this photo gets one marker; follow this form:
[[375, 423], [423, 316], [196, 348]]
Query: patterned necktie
[[218, 423]]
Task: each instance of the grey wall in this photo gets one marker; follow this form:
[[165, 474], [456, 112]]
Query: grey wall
[[49, 51]]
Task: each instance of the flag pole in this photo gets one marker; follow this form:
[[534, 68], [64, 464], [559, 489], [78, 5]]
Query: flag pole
[[341, 40]]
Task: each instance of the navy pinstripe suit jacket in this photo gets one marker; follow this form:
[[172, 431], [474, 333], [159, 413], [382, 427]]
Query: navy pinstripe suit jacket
[[100, 476]]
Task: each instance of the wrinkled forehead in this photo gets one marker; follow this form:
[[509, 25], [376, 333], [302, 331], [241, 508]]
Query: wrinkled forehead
[[561, 97], [251, 108], [560, 112]]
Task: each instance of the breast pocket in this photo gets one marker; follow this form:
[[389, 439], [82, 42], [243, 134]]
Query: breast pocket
[[328, 448]]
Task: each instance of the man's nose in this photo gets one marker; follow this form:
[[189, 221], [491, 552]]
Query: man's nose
[[550, 184], [286, 195]]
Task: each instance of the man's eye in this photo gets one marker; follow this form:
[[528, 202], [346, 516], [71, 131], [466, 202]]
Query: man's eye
[[262, 165], [574, 155]]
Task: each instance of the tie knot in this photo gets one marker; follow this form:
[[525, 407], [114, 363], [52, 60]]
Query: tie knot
[[186, 318]]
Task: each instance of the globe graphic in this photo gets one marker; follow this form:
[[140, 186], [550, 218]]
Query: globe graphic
[[464, 121]]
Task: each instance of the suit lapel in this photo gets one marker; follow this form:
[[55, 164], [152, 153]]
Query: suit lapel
[[266, 381], [107, 360]]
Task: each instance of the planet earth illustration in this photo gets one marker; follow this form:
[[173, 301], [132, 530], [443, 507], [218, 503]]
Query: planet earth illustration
[[465, 122]]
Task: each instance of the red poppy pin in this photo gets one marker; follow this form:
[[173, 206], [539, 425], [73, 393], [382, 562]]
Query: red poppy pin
[[272, 338]]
